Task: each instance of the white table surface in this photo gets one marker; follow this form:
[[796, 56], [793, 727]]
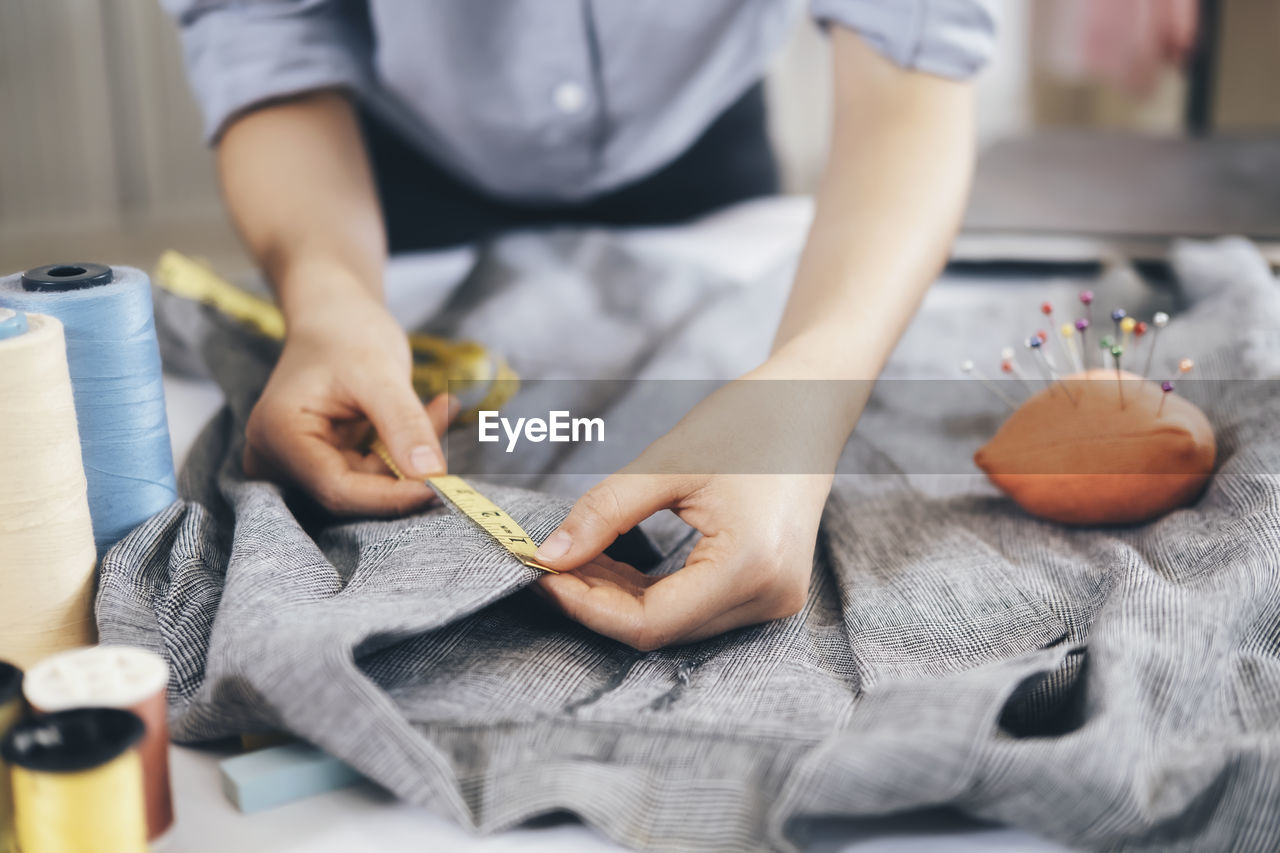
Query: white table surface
[[743, 243]]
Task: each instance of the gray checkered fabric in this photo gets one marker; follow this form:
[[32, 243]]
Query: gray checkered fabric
[[1114, 689]]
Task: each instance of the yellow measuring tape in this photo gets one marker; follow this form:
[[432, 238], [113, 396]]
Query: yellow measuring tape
[[487, 515], [439, 365]]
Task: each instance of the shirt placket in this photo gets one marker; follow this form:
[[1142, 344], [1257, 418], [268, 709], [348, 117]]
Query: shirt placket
[[574, 95]]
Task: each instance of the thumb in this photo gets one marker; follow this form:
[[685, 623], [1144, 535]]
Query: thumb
[[609, 509], [405, 426]]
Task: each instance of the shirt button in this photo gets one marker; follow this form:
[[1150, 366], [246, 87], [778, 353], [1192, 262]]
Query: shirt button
[[569, 98]]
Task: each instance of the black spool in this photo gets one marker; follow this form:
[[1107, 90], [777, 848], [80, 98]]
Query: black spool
[[71, 741], [10, 682], [56, 278]]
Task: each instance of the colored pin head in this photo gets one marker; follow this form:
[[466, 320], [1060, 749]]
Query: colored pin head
[[1086, 297], [1046, 309], [1128, 324], [1034, 342], [1042, 335], [1006, 366], [1082, 324], [966, 366], [1067, 330], [1185, 365], [1118, 315], [1006, 354], [1117, 351], [1139, 328], [1160, 320], [1165, 386], [1106, 343]]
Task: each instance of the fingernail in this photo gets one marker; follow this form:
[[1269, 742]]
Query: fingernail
[[556, 546], [425, 460]]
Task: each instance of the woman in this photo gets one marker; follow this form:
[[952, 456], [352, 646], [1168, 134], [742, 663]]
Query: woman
[[344, 127]]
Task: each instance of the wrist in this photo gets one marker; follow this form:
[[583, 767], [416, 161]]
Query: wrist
[[831, 377], [323, 297]]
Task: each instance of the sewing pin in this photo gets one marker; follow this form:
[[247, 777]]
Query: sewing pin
[[1068, 335], [1139, 329], [1185, 366], [1009, 365], [1086, 299], [1036, 343], [970, 367], [1127, 325], [1158, 322], [1116, 352], [1105, 344], [1046, 309], [1117, 317], [1043, 337], [1166, 387], [1082, 326]]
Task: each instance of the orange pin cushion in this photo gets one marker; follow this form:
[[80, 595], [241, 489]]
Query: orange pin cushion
[[1083, 457]]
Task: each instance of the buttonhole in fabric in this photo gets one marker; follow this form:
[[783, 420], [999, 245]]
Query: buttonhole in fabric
[[1048, 703]]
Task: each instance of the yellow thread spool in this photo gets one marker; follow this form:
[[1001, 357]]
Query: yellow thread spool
[[10, 712], [77, 782]]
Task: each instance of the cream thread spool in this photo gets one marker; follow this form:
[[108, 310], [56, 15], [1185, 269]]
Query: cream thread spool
[[77, 782], [115, 677], [47, 554]]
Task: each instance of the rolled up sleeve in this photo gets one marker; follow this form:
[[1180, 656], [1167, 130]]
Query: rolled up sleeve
[[240, 54], [949, 38]]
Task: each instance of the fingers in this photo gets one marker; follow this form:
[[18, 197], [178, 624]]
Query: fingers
[[409, 431], [608, 510], [713, 593], [441, 411], [302, 451]]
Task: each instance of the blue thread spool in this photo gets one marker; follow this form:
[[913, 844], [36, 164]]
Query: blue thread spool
[[117, 384]]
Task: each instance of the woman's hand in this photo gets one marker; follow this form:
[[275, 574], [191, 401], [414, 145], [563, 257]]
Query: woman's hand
[[299, 187], [751, 565], [345, 366], [749, 468]]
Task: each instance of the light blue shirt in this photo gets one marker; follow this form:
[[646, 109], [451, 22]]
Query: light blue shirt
[[541, 100]]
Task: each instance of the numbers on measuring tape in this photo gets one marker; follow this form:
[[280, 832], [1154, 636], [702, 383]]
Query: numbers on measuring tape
[[491, 518], [488, 516]]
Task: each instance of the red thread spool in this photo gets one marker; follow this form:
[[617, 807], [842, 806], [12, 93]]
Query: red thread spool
[[115, 677]]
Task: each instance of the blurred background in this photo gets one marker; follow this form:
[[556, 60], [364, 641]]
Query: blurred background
[[100, 152]]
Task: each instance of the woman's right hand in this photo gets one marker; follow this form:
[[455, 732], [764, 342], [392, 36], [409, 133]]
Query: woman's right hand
[[346, 366]]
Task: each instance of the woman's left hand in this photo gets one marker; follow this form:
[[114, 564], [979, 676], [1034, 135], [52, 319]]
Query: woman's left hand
[[750, 467], [751, 478]]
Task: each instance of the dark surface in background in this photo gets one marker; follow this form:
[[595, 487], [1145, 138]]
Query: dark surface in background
[[425, 207], [1128, 185]]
